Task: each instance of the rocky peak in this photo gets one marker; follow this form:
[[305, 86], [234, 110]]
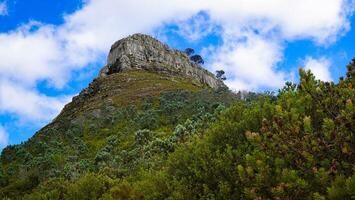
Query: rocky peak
[[144, 52]]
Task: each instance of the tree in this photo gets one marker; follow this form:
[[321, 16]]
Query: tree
[[351, 69], [220, 75], [143, 136], [197, 59], [189, 51]]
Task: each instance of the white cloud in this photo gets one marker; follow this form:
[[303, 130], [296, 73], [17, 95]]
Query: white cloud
[[254, 32], [250, 63], [319, 67], [31, 56], [4, 138], [28, 104], [317, 19], [42, 52], [45, 52], [197, 27], [3, 8]]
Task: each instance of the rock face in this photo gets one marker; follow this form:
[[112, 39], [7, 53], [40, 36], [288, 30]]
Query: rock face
[[141, 51]]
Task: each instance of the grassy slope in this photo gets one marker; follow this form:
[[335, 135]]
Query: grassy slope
[[117, 106]]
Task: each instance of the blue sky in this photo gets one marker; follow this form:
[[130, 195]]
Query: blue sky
[[52, 49]]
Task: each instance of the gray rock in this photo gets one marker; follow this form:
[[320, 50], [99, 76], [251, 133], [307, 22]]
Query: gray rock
[[141, 51]]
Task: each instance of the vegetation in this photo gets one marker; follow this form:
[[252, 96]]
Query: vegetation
[[197, 59], [299, 146], [205, 144], [115, 142], [220, 75], [189, 51]]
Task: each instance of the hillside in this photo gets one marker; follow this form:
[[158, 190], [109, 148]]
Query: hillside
[[154, 90], [153, 125]]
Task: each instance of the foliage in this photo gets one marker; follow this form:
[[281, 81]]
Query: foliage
[[298, 144], [197, 59], [189, 51], [220, 75], [113, 141]]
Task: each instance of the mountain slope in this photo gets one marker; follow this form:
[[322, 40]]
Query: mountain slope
[[154, 90]]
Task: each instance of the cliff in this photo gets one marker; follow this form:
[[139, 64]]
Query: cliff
[[144, 52]]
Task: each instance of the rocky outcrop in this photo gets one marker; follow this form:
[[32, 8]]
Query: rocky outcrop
[[141, 51]]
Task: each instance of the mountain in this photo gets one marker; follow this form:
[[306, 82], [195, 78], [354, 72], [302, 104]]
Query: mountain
[[154, 125], [139, 66], [145, 86]]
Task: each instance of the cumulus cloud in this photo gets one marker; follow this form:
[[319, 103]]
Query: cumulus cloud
[[250, 63], [28, 103], [319, 20], [45, 52], [319, 67], [4, 138], [197, 27], [3, 8], [31, 56], [252, 31]]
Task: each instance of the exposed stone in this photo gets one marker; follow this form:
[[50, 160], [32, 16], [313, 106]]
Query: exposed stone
[[141, 51], [138, 52]]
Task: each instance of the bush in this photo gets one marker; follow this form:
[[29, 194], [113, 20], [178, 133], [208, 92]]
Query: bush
[[90, 187], [143, 136]]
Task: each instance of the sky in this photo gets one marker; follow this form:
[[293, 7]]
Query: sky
[[50, 50]]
